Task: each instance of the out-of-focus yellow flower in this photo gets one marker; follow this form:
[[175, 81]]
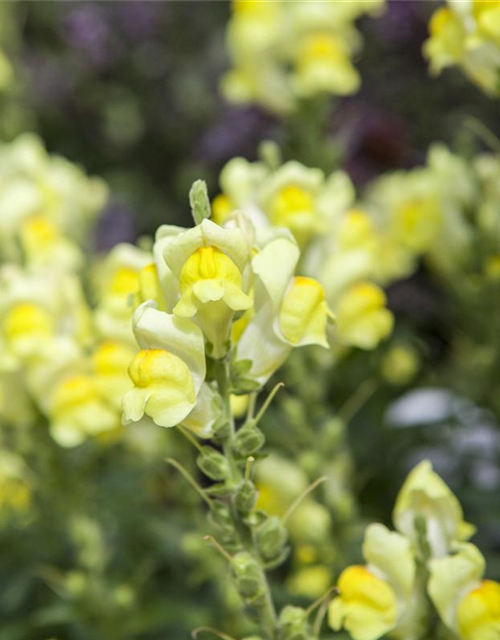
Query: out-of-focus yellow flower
[[15, 489], [304, 312], [479, 612], [117, 283], [299, 198], [282, 51], [323, 64], [310, 582], [467, 34], [43, 187], [25, 326], [279, 482], [493, 268], [310, 522], [362, 318], [222, 207], [340, 245], [426, 496], [78, 410], [36, 308], [111, 360], [44, 245], [400, 364], [16, 405], [467, 604]]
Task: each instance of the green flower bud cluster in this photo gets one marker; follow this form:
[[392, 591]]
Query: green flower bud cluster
[[293, 624]]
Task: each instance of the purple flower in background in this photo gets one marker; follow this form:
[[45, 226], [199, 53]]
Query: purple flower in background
[[234, 133], [138, 19], [374, 140], [49, 83], [401, 22], [116, 225], [86, 28]]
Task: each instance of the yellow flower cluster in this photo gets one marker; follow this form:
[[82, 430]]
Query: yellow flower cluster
[[282, 51], [438, 212], [466, 33], [388, 596], [47, 206], [341, 245], [224, 293], [54, 357]]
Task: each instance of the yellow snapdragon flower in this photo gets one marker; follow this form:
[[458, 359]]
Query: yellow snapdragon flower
[[467, 604], [379, 598], [299, 198], [341, 246], [168, 373], [207, 267], [289, 311], [425, 495]]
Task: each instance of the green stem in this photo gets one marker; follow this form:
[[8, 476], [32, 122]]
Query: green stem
[[238, 471]]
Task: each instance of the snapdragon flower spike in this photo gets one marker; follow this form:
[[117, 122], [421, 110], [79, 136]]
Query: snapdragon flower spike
[[207, 263], [168, 373], [289, 311], [467, 604]]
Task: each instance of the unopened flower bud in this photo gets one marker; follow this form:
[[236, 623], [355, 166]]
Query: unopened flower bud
[[271, 538], [220, 517], [213, 464], [246, 497], [248, 440], [293, 624], [248, 576]]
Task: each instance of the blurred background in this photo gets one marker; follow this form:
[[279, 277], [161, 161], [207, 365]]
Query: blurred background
[[130, 91]]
